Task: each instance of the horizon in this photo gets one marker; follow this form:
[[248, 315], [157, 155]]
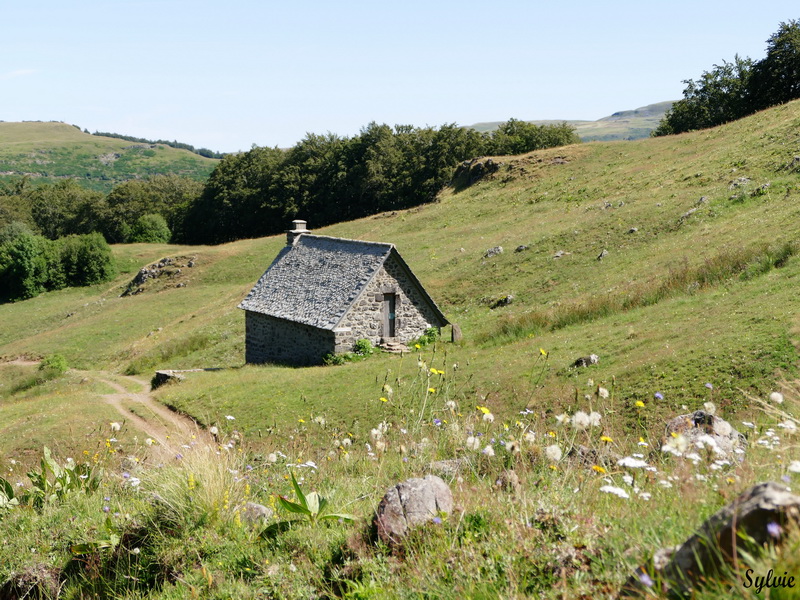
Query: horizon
[[248, 73]]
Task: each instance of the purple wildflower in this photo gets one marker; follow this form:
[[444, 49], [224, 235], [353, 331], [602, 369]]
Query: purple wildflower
[[658, 396], [437, 520], [646, 579], [774, 529], [106, 509], [179, 456], [437, 422], [126, 475], [709, 386]]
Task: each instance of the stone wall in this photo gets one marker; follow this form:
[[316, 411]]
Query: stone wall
[[364, 320], [268, 339]]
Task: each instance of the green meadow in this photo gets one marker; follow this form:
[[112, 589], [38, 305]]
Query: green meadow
[[694, 298], [49, 151]]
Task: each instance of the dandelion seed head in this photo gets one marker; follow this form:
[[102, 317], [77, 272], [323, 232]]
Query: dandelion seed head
[[553, 453], [776, 397]]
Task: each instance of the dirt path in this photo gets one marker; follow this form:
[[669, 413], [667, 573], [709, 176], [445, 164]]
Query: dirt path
[[140, 410]]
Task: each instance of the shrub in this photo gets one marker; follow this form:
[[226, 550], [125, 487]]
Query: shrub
[[151, 229], [52, 366], [363, 347]]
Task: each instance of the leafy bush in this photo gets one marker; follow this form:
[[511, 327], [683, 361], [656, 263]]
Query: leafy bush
[[363, 347], [151, 229], [54, 363]]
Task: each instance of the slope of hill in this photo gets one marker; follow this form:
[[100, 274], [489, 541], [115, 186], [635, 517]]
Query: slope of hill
[[51, 151], [674, 259], [624, 125]]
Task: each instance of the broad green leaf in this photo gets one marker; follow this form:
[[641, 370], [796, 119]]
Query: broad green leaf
[[336, 516], [292, 506], [273, 530], [301, 498], [6, 488], [313, 503]]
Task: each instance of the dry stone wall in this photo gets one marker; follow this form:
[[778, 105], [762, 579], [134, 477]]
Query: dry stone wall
[[269, 339]]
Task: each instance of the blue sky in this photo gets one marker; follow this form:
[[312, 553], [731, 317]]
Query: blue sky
[[227, 75]]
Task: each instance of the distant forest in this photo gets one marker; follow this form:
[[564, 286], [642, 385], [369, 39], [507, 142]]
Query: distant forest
[[255, 193], [181, 146]]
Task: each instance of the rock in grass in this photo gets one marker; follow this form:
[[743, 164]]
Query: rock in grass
[[704, 430], [493, 252], [758, 517], [585, 361], [255, 514], [409, 504]]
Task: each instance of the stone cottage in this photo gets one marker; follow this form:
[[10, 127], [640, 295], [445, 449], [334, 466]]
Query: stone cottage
[[321, 294]]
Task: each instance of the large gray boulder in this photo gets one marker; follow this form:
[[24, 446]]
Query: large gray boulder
[[763, 513], [411, 503]]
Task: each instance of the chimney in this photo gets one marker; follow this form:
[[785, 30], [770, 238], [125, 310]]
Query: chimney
[[293, 234]]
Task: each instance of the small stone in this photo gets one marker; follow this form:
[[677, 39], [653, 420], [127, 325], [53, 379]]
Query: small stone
[[603, 254], [493, 252], [521, 248], [633, 230], [254, 513]]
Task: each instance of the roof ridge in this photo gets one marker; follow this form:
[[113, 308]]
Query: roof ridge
[[340, 239]]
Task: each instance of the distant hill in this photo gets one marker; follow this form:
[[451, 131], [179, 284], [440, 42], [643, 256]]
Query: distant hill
[[51, 151], [623, 125]]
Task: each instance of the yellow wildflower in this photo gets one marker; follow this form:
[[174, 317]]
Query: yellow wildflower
[[599, 469], [432, 390], [384, 399], [640, 404], [483, 409], [606, 439], [301, 420], [542, 351]]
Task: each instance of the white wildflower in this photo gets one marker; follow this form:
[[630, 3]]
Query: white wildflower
[[665, 484], [610, 489], [488, 451], [553, 453], [473, 443], [375, 434], [710, 408], [789, 426], [149, 441], [580, 420], [776, 397], [488, 417], [319, 421], [602, 392], [512, 447], [347, 442], [645, 495], [562, 418], [230, 417], [115, 426], [213, 430], [594, 418], [272, 457], [450, 405], [694, 457], [529, 437], [749, 424], [380, 445], [632, 463], [794, 466], [383, 426], [627, 479]]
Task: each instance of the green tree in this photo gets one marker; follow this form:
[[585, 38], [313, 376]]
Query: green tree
[[151, 229], [776, 78], [719, 96], [23, 267], [65, 208]]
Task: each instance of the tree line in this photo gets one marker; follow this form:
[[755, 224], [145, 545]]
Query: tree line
[[173, 144], [327, 178], [736, 89]]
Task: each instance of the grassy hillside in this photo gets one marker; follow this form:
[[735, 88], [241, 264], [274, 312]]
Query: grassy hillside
[[50, 151], [624, 125], [697, 286]]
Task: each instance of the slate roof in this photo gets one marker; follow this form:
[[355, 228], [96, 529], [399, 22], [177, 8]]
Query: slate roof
[[318, 279]]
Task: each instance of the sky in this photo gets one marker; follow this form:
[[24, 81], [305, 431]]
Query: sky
[[233, 74]]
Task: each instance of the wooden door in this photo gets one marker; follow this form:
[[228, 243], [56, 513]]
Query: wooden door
[[389, 317]]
